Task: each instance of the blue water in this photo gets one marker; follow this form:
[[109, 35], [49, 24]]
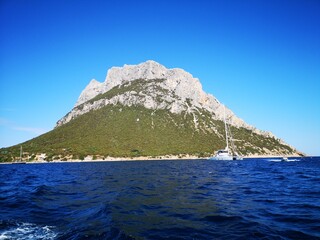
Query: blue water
[[190, 199]]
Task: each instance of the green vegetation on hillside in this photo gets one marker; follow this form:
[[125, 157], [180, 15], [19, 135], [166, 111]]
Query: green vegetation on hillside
[[120, 131], [123, 131]]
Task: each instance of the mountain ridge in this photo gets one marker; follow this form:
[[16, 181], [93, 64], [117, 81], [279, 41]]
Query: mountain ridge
[[177, 81], [147, 110]]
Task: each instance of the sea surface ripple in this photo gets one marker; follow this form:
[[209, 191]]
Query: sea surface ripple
[[179, 199]]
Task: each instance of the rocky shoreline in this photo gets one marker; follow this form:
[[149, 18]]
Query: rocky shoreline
[[145, 158]]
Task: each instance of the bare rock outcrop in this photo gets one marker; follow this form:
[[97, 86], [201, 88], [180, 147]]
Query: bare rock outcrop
[[178, 91]]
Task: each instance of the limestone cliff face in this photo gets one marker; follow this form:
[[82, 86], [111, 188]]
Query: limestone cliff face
[[93, 89], [173, 89], [177, 80]]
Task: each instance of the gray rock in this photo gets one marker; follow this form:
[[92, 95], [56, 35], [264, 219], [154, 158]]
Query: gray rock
[[184, 93]]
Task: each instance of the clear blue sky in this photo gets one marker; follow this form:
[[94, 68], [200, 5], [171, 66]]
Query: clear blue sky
[[261, 58]]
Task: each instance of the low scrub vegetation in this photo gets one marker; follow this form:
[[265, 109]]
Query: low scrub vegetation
[[120, 131]]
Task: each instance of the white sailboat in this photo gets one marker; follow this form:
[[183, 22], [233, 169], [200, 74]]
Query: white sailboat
[[227, 154]]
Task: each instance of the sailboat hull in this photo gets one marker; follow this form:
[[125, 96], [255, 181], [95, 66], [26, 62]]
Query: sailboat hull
[[224, 154], [222, 158]]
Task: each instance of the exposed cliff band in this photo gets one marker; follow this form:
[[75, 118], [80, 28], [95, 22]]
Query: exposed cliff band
[[183, 92]]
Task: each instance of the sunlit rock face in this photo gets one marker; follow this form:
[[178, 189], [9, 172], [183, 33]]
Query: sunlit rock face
[[173, 89]]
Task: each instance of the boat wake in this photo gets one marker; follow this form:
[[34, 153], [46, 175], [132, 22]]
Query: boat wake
[[281, 160], [16, 230]]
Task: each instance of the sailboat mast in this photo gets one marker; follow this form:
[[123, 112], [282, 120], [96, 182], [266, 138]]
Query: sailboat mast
[[21, 153], [225, 127]]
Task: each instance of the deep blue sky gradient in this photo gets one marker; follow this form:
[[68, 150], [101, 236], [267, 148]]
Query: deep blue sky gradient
[[260, 58]]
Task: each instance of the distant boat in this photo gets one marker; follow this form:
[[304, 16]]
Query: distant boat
[[227, 153], [20, 160]]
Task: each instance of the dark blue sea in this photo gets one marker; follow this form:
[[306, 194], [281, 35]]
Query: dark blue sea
[[180, 199]]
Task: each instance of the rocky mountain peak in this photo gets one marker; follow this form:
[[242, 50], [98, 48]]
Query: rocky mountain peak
[[173, 89], [177, 80], [158, 92], [146, 70], [183, 92], [147, 110], [93, 89]]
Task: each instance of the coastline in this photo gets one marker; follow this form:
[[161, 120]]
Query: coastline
[[146, 158]]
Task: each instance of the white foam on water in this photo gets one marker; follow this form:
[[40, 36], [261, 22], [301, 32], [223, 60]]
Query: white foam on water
[[28, 231], [280, 160]]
